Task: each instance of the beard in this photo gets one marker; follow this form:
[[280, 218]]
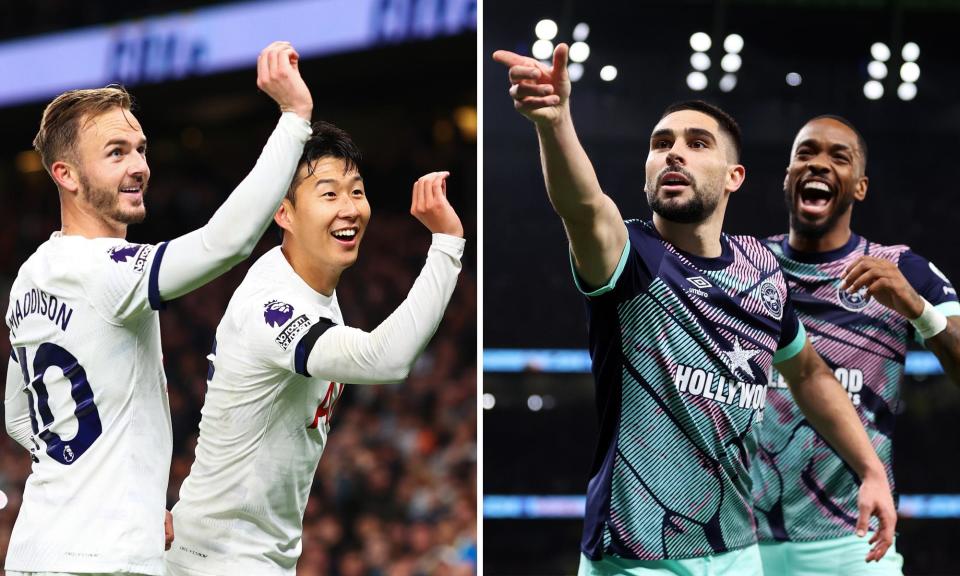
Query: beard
[[107, 203], [697, 209], [815, 230]]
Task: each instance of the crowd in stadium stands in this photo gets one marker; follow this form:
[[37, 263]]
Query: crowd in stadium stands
[[395, 492]]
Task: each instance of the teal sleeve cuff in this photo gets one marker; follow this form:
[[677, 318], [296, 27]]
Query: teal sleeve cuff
[[793, 348], [949, 308], [611, 283]]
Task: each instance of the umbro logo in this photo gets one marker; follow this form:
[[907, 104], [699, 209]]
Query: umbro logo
[[700, 282]]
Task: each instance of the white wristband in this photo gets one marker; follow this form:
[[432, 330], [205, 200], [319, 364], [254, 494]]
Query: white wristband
[[931, 321]]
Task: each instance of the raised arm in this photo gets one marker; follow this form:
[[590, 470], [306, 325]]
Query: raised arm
[[593, 223], [388, 352], [822, 400], [194, 259]]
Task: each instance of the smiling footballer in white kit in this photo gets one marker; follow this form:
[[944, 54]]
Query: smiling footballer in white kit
[[280, 360], [85, 390]]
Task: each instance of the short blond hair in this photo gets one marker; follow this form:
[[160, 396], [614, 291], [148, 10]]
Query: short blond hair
[[57, 137]]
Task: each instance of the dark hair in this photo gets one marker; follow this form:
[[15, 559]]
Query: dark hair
[[726, 121], [861, 142], [326, 141]]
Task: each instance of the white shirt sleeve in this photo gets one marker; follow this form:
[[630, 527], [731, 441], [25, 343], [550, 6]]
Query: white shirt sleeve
[[198, 257], [121, 281], [16, 410], [343, 354]]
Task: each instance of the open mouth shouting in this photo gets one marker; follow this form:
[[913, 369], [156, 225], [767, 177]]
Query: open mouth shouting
[[814, 198], [346, 236], [674, 181]]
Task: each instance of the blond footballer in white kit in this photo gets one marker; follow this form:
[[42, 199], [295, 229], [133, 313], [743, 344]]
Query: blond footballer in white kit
[[85, 390], [282, 356]]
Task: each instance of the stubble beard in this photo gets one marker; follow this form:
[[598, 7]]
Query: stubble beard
[[815, 230], [107, 203], [700, 207]]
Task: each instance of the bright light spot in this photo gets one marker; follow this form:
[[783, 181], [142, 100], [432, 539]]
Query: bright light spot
[[733, 43], [535, 402], [3, 500], [489, 401], [794, 79], [873, 90], [700, 41], [910, 52], [700, 61], [575, 70], [728, 82], [877, 70], [909, 72], [546, 29], [542, 49], [579, 51], [907, 91], [880, 51], [731, 63], [608, 73], [581, 31], [697, 80]]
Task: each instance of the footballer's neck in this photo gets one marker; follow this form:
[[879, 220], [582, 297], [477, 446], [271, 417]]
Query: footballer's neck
[[321, 277], [80, 220], [836, 237], [698, 238]]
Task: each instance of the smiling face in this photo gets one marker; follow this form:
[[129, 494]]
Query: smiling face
[[111, 166], [824, 178], [687, 169], [324, 226]]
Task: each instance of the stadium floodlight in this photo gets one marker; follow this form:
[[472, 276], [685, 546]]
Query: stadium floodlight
[[910, 72], [575, 70], [542, 49], [535, 402], [579, 51], [700, 61], [700, 41], [546, 29], [581, 31], [489, 401], [910, 52], [728, 82], [733, 43], [696, 80], [907, 91], [731, 62], [794, 79], [873, 90], [608, 73], [877, 70], [880, 51]]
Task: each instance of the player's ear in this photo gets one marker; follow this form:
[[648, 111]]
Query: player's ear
[[284, 215], [861, 191], [736, 174], [65, 175]]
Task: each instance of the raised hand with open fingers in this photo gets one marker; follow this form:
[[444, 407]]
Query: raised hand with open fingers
[[430, 206], [539, 92], [278, 74]]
